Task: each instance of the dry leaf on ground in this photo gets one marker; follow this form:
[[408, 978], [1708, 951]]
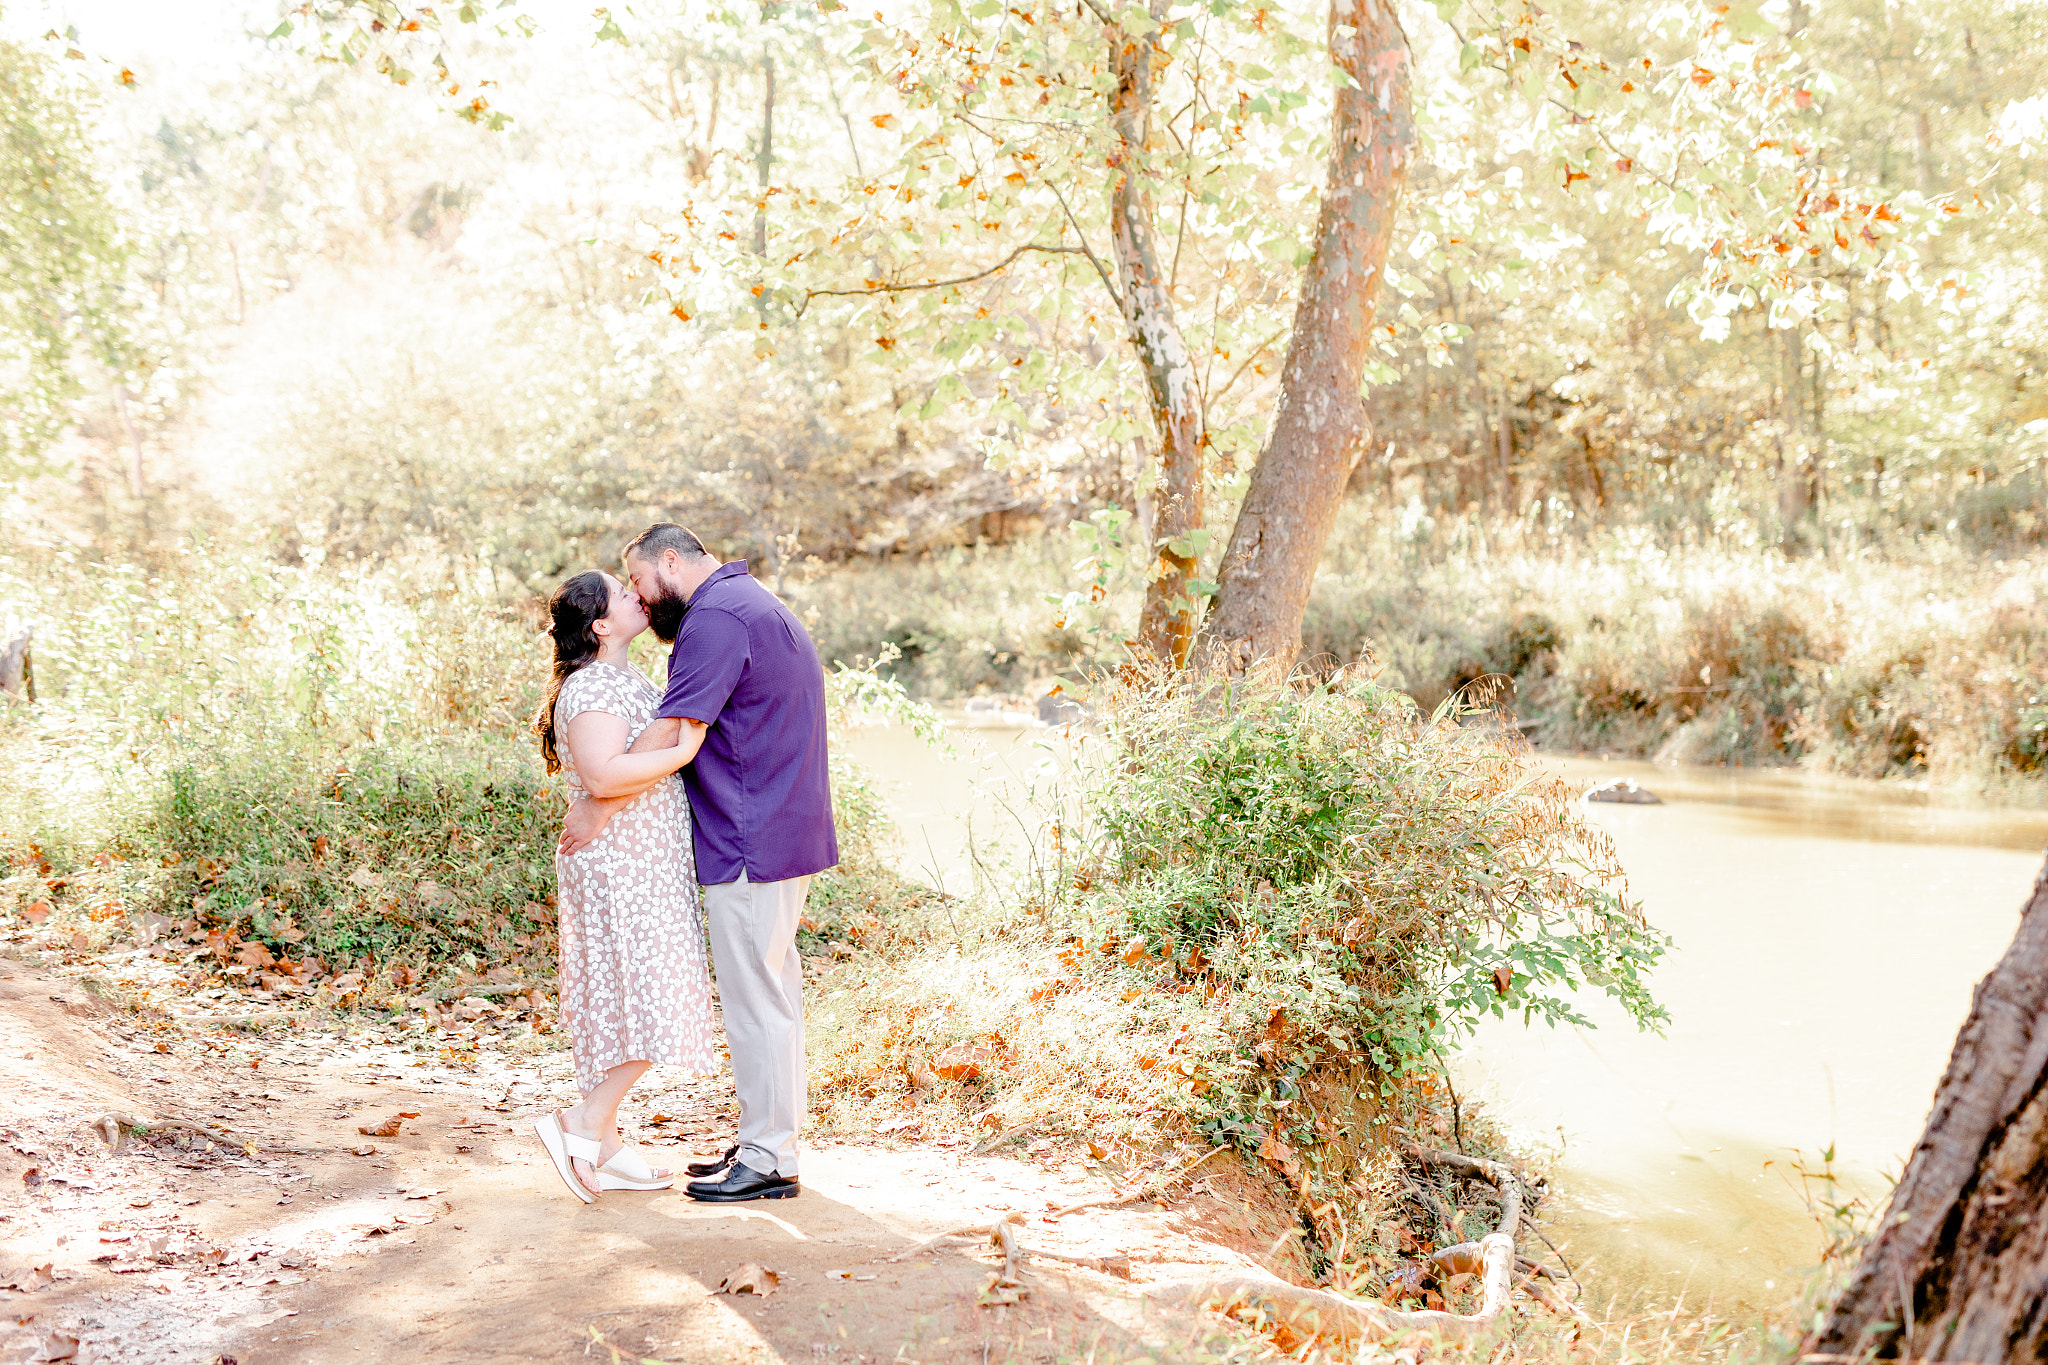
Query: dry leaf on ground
[[29, 1278], [388, 1128], [750, 1279], [963, 1061], [367, 1149], [1000, 1293], [59, 1346]]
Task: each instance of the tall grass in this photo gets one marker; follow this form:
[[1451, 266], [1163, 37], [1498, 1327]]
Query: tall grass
[[331, 761]]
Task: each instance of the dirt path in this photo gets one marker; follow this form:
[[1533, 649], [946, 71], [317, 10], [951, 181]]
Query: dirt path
[[454, 1240]]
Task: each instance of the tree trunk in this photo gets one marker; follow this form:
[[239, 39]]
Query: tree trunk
[[1320, 429], [17, 668], [764, 156], [1166, 623], [1959, 1267], [137, 485]]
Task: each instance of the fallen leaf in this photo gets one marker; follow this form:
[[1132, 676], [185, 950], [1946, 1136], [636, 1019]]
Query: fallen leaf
[[388, 1128], [1097, 1150], [1275, 1149], [750, 1279], [367, 1149], [139, 1203], [37, 913], [29, 1279], [408, 1115], [80, 943], [962, 1061], [421, 1194], [996, 1292], [59, 1346]]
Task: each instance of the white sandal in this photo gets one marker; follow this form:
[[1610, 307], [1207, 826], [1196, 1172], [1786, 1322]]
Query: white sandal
[[566, 1148], [628, 1170]]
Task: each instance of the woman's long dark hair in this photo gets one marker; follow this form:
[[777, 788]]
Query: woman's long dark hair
[[580, 603]]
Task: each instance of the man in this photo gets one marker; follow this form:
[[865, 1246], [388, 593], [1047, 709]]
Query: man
[[746, 691]]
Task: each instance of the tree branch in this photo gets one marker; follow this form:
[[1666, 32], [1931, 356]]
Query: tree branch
[[1093, 259], [1263, 347], [810, 294]]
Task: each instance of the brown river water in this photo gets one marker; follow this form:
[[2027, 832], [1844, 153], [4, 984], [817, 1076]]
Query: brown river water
[[1827, 935]]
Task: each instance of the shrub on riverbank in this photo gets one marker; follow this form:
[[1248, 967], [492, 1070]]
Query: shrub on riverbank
[[1251, 910]]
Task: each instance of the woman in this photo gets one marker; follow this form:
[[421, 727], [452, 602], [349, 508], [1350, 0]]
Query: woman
[[634, 986]]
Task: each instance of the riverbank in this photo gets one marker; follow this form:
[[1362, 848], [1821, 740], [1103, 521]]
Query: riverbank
[[1921, 663], [1827, 934]]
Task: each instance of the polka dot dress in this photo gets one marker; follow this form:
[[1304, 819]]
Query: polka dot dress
[[634, 982]]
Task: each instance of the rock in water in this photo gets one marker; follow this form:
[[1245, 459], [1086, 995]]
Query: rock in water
[[1623, 791], [1056, 710]]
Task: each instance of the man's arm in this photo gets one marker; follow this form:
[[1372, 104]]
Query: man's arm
[[588, 815]]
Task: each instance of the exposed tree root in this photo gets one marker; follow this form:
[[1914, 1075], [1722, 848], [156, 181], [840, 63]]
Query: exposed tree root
[[952, 1235], [1145, 1190], [1318, 1313], [239, 1017], [116, 1129]]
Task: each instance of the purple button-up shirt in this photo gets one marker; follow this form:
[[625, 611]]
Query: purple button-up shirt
[[760, 794]]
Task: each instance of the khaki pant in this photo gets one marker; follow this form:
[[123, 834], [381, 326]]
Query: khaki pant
[[760, 991]]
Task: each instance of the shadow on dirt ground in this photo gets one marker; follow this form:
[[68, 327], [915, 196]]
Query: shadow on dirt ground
[[271, 1229]]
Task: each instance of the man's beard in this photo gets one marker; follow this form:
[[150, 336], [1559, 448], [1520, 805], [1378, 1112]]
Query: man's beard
[[665, 613]]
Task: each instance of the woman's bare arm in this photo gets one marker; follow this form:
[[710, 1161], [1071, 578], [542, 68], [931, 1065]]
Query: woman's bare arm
[[618, 774]]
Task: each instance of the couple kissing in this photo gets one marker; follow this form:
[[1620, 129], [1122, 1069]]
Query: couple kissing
[[702, 803]]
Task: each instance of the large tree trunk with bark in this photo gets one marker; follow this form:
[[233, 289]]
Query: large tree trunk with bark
[[1958, 1269], [1166, 624], [1320, 429]]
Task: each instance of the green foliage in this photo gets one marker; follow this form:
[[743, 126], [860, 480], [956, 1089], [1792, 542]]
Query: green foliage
[[438, 851], [1252, 910], [1363, 882], [1919, 664], [960, 621], [61, 255]]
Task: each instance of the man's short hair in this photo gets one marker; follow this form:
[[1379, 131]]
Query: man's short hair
[[662, 537]]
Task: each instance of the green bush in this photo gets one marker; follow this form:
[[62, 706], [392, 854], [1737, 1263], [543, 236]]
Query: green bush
[[1389, 877], [1249, 910], [420, 850]]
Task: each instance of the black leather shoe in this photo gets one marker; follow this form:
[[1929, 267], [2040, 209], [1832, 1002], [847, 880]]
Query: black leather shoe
[[741, 1183], [714, 1167]]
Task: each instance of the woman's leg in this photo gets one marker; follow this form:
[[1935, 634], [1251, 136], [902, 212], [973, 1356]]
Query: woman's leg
[[598, 1116]]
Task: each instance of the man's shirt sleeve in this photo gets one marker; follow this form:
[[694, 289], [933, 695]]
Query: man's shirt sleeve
[[710, 655]]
